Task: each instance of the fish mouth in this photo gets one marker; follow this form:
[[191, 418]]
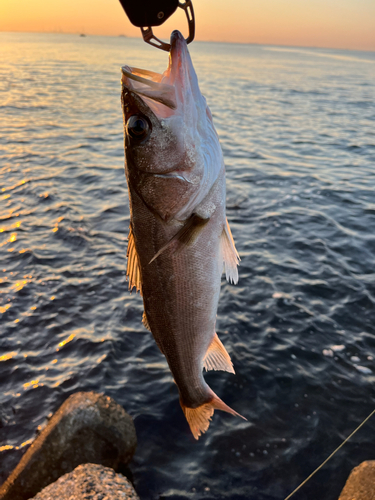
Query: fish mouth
[[176, 37], [156, 88], [148, 84], [178, 50]]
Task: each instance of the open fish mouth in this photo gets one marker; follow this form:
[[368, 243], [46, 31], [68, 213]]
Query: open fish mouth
[[161, 87], [148, 84], [183, 145]]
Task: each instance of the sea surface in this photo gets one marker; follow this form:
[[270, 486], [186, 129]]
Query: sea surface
[[297, 128]]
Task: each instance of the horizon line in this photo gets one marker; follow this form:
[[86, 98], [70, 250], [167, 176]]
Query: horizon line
[[123, 35]]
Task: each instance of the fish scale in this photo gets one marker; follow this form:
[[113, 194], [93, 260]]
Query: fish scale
[[179, 238]]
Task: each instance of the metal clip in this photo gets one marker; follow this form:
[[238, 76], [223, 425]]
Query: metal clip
[[149, 37]]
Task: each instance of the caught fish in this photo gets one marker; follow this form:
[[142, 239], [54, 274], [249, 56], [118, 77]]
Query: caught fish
[[179, 237]]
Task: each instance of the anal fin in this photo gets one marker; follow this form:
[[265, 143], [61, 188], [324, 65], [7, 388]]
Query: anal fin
[[216, 357], [230, 255], [133, 272]]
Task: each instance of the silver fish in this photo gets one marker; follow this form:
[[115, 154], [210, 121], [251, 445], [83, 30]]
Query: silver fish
[[179, 237]]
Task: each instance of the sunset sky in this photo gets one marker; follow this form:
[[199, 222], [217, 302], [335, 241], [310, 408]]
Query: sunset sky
[[348, 24]]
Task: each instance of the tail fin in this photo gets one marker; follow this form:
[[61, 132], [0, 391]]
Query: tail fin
[[199, 418]]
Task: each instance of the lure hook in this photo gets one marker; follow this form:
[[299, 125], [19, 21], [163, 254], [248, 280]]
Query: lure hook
[[149, 37], [148, 13]]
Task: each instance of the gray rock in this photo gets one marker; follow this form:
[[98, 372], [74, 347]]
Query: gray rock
[[89, 482], [361, 483], [87, 428]]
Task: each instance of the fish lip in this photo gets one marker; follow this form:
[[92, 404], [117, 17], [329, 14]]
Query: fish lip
[[152, 89], [175, 36], [126, 85], [178, 45], [148, 84]]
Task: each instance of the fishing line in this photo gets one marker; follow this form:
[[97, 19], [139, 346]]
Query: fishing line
[[331, 455]]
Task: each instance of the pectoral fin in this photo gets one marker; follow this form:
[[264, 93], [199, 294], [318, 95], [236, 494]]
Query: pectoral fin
[[230, 255], [132, 270], [145, 321], [217, 358], [185, 236]]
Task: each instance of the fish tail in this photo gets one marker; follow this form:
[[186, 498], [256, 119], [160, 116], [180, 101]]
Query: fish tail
[[199, 418]]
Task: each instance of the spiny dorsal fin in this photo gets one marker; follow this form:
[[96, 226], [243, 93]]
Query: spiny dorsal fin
[[184, 236], [145, 321], [132, 270], [230, 255], [217, 358]]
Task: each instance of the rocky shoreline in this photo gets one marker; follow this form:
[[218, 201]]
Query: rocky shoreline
[[361, 483], [88, 428], [89, 439], [89, 482]]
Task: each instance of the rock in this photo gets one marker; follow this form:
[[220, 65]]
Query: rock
[[87, 428], [361, 483], [89, 482]]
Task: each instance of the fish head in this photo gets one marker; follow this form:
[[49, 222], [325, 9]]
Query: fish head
[[152, 145], [173, 155]]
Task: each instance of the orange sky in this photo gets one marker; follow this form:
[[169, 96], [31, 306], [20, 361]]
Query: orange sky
[[320, 23]]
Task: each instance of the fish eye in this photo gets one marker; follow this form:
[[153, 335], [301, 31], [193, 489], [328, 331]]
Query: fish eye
[[137, 127]]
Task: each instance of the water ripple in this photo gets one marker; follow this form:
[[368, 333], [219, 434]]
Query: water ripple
[[298, 140]]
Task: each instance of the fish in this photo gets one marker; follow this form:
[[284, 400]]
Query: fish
[[179, 239]]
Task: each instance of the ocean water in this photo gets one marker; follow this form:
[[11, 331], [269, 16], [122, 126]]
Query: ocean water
[[297, 128]]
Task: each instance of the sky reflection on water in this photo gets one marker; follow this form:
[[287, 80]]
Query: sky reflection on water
[[297, 131]]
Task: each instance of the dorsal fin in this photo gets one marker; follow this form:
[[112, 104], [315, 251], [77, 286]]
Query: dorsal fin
[[145, 321], [184, 236], [230, 255], [132, 270], [216, 357]]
